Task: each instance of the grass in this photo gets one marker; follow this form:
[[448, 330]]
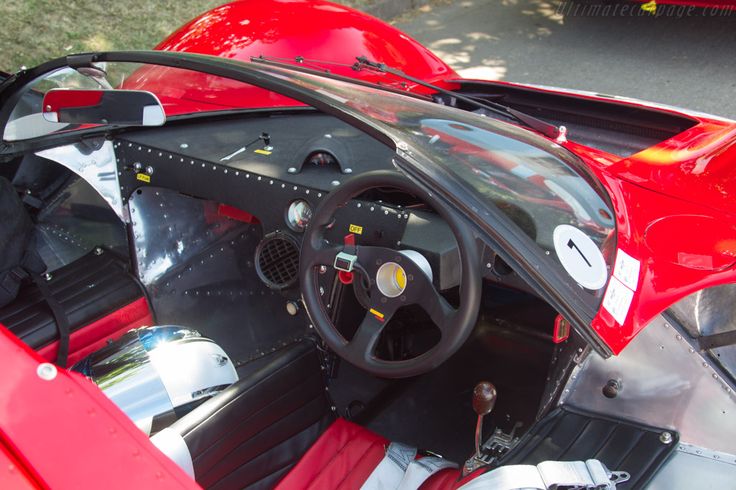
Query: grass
[[34, 31]]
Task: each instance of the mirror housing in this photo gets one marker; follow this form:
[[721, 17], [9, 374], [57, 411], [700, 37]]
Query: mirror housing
[[108, 107]]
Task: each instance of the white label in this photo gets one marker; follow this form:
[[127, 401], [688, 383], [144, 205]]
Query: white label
[[580, 257], [618, 300], [627, 269]]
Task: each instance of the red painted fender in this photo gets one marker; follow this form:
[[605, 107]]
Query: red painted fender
[[316, 30]]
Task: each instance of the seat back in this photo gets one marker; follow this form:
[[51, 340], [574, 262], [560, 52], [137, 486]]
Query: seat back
[[252, 433], [17, 254]]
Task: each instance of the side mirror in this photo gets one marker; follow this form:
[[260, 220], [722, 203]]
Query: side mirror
[[113, 107]]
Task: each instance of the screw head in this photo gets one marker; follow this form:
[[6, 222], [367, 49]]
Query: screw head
[[666, 438], [46, 371]]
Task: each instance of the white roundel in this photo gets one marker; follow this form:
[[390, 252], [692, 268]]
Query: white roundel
[[580, 257]]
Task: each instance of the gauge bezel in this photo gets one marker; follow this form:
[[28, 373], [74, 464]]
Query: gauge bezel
[[292, 225]]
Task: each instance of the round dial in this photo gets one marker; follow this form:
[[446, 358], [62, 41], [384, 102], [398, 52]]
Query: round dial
[[298, 215]]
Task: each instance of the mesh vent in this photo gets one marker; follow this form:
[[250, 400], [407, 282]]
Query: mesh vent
[[277, 261]]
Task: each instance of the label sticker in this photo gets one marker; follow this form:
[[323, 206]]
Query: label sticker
[[627, 269], [144, 178], [358, 230], [380, 316], [618, 300], [262, 152], [580, 257]]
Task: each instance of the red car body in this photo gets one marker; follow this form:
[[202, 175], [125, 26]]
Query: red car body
[[679, 185], [672, 197]]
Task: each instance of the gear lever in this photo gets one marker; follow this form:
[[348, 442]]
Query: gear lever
[[484, 399]]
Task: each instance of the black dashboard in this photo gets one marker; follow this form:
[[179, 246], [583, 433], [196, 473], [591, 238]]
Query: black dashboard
[[277, 168]]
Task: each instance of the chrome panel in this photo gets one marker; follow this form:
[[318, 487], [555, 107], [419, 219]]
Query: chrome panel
[[169, 231], [151, 371], [192, 370], [172, 444], [96, 166], [665, 383], [124, 373]]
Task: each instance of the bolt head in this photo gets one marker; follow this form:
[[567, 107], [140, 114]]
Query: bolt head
[[666, 438], [46, 371]]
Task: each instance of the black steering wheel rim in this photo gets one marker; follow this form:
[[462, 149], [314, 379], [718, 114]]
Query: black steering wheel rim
[[462, 319]]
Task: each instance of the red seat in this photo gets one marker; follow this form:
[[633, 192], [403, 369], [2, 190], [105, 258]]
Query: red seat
[[344, 457]]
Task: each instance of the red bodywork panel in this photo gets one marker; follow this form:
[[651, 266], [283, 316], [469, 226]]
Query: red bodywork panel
[[314, 30], [674, 203], [94, 336], [67, 434], [674, 213], [13, 475]]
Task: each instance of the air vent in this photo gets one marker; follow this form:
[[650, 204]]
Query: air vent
[[277, 260]]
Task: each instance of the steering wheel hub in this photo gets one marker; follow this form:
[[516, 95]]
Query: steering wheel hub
[[391, 279]]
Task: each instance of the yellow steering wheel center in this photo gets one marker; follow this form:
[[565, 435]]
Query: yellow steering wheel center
[[391, 279]]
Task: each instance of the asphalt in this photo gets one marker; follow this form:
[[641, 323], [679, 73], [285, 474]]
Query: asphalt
[[682, 57]]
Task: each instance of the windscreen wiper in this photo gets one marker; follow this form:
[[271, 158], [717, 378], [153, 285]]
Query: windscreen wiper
[[547, 129]]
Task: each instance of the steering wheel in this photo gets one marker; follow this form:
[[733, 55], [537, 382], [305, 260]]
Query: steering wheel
[[395, 279]]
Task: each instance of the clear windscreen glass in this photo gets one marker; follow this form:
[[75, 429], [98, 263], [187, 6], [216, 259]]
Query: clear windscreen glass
[[537, 184]]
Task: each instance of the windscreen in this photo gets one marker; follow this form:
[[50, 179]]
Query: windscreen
[[538, 185]]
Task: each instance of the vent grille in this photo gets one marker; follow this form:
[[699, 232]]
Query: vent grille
[[277, 261]]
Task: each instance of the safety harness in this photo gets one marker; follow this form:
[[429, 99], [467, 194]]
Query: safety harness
[[401, 470], [19, 260]]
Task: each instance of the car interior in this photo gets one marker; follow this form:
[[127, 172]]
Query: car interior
[[217, 208]]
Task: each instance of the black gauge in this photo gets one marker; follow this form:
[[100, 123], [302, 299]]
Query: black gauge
[[298, 215], [322, 159]]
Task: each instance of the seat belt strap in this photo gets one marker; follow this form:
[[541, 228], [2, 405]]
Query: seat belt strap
[[390, 471], [550, 475], [62, 322], [421, 469], [400, 470]]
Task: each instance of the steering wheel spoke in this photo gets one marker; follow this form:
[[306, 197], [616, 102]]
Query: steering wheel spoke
[[438, 309], [364, 342], [325, 255]]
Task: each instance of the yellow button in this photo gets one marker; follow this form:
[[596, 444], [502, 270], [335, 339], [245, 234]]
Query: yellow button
[[400, 278]]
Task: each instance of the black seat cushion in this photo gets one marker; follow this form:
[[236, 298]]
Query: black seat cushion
[[87, 289], [252, 433]]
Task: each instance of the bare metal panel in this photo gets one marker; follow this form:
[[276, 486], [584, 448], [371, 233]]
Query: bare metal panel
[[97, 166], [198, 270], [169, 230], [693, 467], [664, 383]]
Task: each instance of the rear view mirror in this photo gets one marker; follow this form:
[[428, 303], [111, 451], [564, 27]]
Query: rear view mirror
[[114, 107]]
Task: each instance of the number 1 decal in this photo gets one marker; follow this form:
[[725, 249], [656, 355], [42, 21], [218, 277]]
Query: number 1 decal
[[571, 244], [580, 257]]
